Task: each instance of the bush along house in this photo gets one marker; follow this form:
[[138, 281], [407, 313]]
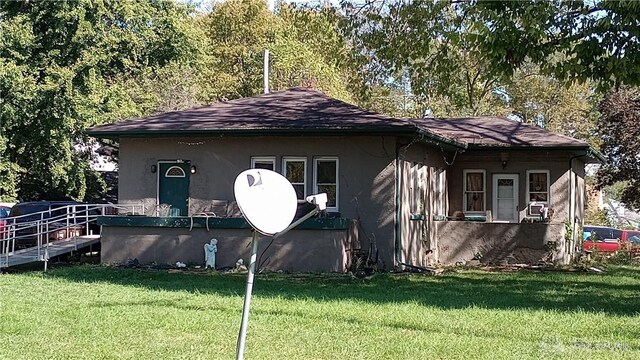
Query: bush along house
[[403, 193]]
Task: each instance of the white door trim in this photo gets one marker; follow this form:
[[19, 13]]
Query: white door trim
[[516, 190]]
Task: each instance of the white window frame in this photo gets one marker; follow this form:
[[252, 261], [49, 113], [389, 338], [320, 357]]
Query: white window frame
[[287, 159], [256, 159], [464, 190], [315, 179], [548, 191]]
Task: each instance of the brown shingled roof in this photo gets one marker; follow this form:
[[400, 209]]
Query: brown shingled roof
[[303, 110], [488, 131], [293, 110]]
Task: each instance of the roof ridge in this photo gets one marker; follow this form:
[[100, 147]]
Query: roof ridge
[[270, 93], [359, 108]]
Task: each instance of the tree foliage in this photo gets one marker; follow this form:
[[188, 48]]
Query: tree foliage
[[569, 39], [620, 132], [63, 67], [569, 108], [306, 49], [462, 49], [427, 42]]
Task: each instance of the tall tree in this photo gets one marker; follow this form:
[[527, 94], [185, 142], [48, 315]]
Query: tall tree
[[63, 67], [430, 42], [571, 39], [444, 44], [238, 31], [565, 107], [310, 50], [620, 132], [305, 44]]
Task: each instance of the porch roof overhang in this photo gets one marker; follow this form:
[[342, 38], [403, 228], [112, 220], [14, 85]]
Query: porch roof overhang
[[423, 136]]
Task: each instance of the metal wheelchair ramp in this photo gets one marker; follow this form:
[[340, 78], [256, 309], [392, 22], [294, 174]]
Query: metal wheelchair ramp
[[54, 231], [44, 253]]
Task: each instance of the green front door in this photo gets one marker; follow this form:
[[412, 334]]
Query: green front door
[[173, 187]]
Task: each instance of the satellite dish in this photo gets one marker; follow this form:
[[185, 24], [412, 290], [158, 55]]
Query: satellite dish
[[266, 199], [268, 202]]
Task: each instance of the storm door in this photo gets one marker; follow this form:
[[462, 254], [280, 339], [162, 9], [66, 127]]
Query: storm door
[[173, 187], [505, 198]]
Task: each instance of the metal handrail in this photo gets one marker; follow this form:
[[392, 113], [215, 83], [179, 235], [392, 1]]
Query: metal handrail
[[68, 218]]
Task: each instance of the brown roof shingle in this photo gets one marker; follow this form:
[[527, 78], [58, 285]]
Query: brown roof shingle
[[303, 110], [297, 109], [496, 132]]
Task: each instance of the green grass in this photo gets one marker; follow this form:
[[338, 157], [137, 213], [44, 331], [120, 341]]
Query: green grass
[[91, 312]]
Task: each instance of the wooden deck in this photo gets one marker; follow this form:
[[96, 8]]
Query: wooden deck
[[55, 248]]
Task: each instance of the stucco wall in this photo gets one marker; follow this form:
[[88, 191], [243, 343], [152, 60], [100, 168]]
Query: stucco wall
[[366, 174], [460, 241], [298, 250], [557, 162]]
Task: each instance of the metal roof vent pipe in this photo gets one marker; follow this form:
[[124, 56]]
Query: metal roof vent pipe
[[266, 71]]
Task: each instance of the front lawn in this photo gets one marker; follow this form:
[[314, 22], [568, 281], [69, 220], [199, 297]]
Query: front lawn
[[92, 312]]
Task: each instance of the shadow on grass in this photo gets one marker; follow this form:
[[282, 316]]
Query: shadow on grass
[[614, 292]]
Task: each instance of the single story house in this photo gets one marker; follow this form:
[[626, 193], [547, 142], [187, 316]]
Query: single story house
[[402, 192]]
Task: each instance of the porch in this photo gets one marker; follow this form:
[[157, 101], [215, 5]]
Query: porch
[[316, 245], [462, 241]]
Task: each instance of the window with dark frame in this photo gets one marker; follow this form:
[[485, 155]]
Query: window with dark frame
[[326, 180], [294, 169], [474, 191], [263, 162], [538, 186]]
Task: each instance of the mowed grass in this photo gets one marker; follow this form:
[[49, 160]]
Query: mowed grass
[[90, 312]]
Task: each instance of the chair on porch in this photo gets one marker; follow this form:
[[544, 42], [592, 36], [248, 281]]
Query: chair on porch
[[233, 210], [162, 210], [217, 208]]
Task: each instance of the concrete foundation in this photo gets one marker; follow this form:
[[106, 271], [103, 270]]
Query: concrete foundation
[[297, 251]]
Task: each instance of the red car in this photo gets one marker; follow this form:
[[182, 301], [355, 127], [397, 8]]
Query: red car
[[604, 239], [630, 236], [607, 239]]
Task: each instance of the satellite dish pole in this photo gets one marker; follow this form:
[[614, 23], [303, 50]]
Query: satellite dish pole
[[268, 202], [242, 336]]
